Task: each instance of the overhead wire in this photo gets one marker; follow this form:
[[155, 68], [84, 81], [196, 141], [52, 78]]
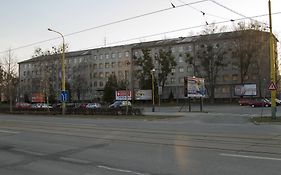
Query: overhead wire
[[104, 25], [233, 11], [147, 36], [178, 30]]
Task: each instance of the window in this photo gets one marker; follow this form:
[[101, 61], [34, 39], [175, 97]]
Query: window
[[106, 65], [107, 74], [100, 65], [95, 75], [101, 57], [136, 54], [181, 59], [95, 66], [225, 77], [120, 54], [120, 74], [113, 55], [181, 49], [235, 66], [189, 48], [119, 64], [101, 83], [173, 70], [107, 56], [113, 64], [101, 75], [127, 54], [181, 80], [95, 84], [226, 89], [173, 49], [181, 69], [234, 77], [95, 57], [172, 80]]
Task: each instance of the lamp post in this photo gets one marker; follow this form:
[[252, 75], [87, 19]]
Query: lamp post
[[152, 81], [62, 68], [272, 65]]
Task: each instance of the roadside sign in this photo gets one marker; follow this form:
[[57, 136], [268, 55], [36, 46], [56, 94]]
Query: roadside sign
[[272, 86], [123, 95], [64, 96]]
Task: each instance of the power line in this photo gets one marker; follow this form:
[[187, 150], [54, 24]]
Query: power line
[[233, 11], [107, 24], [179, 30], [202, 12]]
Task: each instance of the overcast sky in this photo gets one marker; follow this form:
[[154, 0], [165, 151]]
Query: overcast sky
[[24, 22]]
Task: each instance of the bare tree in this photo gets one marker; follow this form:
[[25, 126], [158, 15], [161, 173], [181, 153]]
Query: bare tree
[[167, 63], [9, 77], [247, 44]]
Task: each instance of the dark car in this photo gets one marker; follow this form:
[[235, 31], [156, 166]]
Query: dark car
[[260, 103]]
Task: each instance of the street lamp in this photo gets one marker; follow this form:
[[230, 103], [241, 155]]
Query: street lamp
[[152, 81], [62, 68]]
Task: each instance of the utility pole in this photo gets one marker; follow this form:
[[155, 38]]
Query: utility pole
[[272, 65]]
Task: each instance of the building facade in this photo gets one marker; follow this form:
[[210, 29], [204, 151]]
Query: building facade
[[87, 71]]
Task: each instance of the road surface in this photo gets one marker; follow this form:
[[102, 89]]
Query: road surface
[[199, 144]]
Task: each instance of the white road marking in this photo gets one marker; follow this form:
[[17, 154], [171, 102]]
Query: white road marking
[[75, 160], [250, 157], [9, 132], [29, 152], [120, 170]]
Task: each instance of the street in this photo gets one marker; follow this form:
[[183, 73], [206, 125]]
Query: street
[[197, 143]]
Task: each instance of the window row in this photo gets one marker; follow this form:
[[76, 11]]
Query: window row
[[112, 55]]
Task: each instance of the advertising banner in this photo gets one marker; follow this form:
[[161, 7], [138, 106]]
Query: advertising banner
[[245, 90], [194, 87], [37, 98], [122, 95], [143, 95]]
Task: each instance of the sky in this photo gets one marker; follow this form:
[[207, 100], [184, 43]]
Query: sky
[[24, 23]]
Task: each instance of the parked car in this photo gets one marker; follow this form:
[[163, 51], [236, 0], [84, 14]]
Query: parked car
[[41, 106], [260, 103], [23, 105], [245, 101], [93, 106], [278, 101], [120, 104], [82, 105]]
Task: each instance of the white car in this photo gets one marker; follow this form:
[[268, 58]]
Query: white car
[[118, 104], [41, 106], [93, 106]]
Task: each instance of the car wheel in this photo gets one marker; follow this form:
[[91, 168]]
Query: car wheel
[[252, 106], [266, 105]]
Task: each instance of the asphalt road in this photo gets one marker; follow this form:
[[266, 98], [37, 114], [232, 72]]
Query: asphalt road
[[198, 143]]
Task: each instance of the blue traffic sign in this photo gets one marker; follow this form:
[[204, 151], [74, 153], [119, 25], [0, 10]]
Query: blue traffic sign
[[64, 96]]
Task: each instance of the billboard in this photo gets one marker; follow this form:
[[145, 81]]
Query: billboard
[[143, 95], [122, 95], [245, 90], [194, 87], [37, 98]]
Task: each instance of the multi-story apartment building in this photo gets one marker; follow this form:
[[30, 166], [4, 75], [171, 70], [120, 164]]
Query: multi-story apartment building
[[87, 71]]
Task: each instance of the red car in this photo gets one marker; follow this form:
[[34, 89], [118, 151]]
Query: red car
[[260, 103], [245, 101], [23, 105]]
